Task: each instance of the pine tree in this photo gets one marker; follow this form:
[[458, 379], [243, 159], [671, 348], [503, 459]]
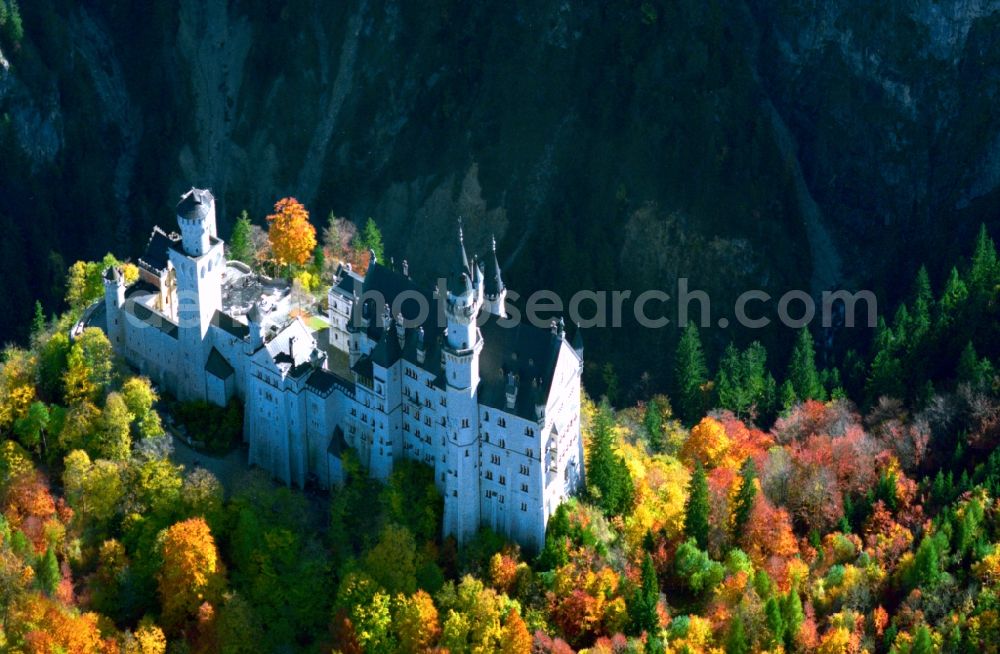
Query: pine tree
[[792, 616], [983, 275], [953, 300], [240, 243], [608, 477], [737, 641], [696, 508], [652, 422], [745, 497], [643, 607], [690, 376], [802, 372], [38, 322], [775, 622], [48, 572], [923, 302], [787, 397], [370, 238], [742, 384], [922, 643], [971, 369]]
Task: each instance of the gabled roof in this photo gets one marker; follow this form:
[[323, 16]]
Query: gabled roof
[[195, 204], [217, 365]]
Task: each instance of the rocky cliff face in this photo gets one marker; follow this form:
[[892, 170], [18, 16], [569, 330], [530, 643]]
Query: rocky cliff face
[[771, 143]]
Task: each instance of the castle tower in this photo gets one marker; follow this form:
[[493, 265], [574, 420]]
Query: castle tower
[[461, 358], [495, 291], [199, 264], [255, 322], [114, 302]]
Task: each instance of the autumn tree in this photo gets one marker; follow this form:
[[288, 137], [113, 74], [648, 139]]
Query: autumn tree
[[415, 619], [90, 366], [391, 563], [697, 509], [191, 572], [113, 439], [240, 243], [690, 376], [515, 639], [291, 235]]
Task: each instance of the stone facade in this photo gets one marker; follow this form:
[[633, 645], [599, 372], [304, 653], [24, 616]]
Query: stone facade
[[493, 408]]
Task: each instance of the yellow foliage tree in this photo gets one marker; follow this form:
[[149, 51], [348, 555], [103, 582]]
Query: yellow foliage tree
[[514, 638], [707, 444], [416, 621], [292, 237], [191, 573]]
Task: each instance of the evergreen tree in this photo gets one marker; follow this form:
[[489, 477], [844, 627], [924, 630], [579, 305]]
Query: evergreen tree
[[370, 238], [984, 273], [802, 372], [971, 369], [922, 643], [792, 616], [642, 608], [952, 302], [38, 322], [240, 243], [608, 477], [745, 497], [690, 376], [742, 382], [775, 622], [652, 422], [737, 641], [923, 301], [48, 572], [787, 395], [696, 508]]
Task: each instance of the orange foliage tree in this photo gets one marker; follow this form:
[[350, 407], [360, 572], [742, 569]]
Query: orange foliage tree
[[191, 573], [292, 236]]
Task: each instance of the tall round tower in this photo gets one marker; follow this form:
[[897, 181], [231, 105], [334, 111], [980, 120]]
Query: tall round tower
[[196, 218]]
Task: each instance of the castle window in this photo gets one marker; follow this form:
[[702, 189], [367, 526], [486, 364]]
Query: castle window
[[524, 470], [486, 436], [486, 416], [524, 488], [406, 426], [502, 422], [528, 431], [495, 459], [530, 453], [466, 453], [427, 420], [501, 499], [465, 423], [503, 480], [454, 493], [489, 475], [444, 402], [524, 507], [503, 444]]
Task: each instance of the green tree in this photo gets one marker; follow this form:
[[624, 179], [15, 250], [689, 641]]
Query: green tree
[[370, 238], [802, 372], [642, 607], [775, 622], [696, 569], [745, 497], [972, 370], [48, 572], [792, 616], [690, 376], [984, 274], [922, 642], [392, 562], [742, 382], [952, 302], [608, 478], [38, 322], [113, 439], [696, 508], [241, 242], [30, 428], [89, 366], [737, 641]]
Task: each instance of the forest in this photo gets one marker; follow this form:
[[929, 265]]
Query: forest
[[846, 508]]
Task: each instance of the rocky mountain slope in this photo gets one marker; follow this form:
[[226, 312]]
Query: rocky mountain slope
[[758, 143]]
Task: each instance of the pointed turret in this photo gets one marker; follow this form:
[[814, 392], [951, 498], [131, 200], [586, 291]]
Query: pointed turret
[[494, 282]]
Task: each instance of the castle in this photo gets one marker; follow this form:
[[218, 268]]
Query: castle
[[493, 408]]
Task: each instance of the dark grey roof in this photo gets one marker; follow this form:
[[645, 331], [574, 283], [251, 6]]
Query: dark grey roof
[[195, 204], [347, 282], [387, 351], [217, 365], [254, 315], [156, 257], [578, 340], [528, 352], [151, 318], [230, 325], [337, 442]]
